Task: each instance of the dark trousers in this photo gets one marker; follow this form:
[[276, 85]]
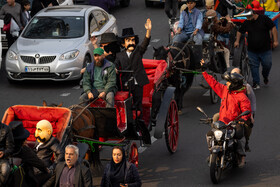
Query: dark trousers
[[171, 4], [10, 38], [137, 93]]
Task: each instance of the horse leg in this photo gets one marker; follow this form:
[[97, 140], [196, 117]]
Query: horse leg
[[177, 98], [95, 162]]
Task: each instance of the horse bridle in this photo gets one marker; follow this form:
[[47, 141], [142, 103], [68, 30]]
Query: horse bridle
[[86, 126], [181, 51]]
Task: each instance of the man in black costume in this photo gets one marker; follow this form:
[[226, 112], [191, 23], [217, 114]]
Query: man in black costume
[[46, 145], [131, 59]]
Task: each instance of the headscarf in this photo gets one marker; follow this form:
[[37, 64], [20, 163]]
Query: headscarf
[[117, 171]]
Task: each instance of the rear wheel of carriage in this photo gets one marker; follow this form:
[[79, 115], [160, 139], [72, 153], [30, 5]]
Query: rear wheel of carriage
[[213, 96], [133, 154], [172, 127], [244, 64]]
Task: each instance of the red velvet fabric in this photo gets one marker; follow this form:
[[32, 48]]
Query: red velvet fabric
[[59, 117], [154, 70]]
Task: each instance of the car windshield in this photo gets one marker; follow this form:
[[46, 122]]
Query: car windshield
[[55, 27]]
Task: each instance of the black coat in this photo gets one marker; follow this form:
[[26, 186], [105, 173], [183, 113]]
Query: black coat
[[133, 63], [38, 5], [82, 176], [30, 159], [6, 140], [46, 151], [223, 6], [131, 177]]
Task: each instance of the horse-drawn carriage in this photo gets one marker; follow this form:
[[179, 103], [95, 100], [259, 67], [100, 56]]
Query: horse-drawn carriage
[[120, 125]]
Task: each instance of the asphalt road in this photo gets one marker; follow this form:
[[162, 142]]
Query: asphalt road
[[187, 167]]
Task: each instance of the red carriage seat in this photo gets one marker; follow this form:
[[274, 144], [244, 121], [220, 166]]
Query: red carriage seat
[[59, 117], [120, 98], [154, 70]]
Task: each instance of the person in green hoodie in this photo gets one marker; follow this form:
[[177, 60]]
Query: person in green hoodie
[[99, 79]]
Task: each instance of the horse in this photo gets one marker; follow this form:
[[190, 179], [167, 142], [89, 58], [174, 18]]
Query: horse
[[83, 124], [179, 60]]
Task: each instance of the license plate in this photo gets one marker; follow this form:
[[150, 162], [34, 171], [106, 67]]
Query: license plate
[[44, 69]]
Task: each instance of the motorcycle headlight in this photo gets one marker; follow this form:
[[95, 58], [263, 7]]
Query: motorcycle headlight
[[12, 55], [69, 55], [218, 135]]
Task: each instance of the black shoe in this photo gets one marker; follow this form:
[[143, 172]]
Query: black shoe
[[256, 86], [265, 80]]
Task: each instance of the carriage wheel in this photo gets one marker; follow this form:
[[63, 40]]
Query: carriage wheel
[[172, 127], [213, 96], [244, 64], [133, 154]]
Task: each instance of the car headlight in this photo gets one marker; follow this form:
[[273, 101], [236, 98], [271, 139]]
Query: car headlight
[[12, 55], [69, 55], [218, 135]]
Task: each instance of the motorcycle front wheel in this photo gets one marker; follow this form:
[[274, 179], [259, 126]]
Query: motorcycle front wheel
[[215, 168]]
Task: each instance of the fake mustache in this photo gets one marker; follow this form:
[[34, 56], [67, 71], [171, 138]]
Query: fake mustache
[[130, 45], [41, 139]]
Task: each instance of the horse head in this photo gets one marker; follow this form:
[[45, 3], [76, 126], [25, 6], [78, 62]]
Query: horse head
[[181, 55], [160, 53], [52, 105]]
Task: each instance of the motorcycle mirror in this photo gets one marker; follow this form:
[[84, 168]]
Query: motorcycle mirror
[[202, 111], [243, 114]]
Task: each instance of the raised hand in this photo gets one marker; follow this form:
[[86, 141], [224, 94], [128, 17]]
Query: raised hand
[[148, 24]]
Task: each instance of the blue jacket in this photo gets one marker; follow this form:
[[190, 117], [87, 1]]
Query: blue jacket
[[197, 20]]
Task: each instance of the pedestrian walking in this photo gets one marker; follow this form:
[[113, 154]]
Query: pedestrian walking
[[258, 28], [171, 7], [9, 11]]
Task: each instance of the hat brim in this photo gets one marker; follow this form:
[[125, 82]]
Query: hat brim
[[23, 136], [107, 41], [127, 36]]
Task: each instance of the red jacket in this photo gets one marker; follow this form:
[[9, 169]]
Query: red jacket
[[233, 103]]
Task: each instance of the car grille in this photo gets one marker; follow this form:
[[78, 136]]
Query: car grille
[[28, 59], [38, 75], [46, 59], [42, 60]]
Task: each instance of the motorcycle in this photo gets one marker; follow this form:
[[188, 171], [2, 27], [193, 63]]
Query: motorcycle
[[223, 146]]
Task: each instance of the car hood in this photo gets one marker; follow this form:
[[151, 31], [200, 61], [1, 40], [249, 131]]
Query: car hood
[[46, 45]]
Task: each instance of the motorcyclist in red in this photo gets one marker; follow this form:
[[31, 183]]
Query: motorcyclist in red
[[234, 102]]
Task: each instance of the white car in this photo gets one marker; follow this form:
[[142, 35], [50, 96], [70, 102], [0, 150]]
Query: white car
[[55, 45]]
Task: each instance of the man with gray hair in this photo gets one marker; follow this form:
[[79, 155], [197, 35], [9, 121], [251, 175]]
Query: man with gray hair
[[71, 172]]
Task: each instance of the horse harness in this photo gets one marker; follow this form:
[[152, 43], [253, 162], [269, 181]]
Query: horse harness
[[181, 51], [86, 125]]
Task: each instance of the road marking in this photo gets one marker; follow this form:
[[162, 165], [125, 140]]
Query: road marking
[[76, 87], [65, 94], [155, 40], [142, 149]]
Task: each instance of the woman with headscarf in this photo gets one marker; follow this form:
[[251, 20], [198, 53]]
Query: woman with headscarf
[[119, 172]]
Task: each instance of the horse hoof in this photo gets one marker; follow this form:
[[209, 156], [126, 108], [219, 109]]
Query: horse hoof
[[180, 112]]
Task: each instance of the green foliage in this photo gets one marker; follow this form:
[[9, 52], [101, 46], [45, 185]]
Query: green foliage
[[246, 2]]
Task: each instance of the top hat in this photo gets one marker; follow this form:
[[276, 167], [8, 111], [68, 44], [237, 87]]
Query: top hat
[[108, 38], [128, 32], [19, 132]]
